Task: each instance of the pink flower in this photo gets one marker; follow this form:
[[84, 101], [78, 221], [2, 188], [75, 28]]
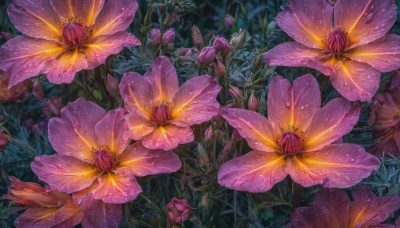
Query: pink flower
[[161, 113], [353, 51], [222, 45], [43, 207], [155, 36], [61, 38], [206, 56], [18, 93], [168, 36], [94, 156], [385, 120], [333, 208], [297, 139], [178, 210]]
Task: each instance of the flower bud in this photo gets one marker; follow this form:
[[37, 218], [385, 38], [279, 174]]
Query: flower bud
[[197, 38], [222, 45], [228, 22], [237, 40], [253, 102], [7, 36], [155, 36], [53, 108], [208, 133], [168, 36], [219, 69], [3, 141], [206, 56], [112, 86], [184, 52], [236, 93], [37, 90], [178, 210], [236, 136]]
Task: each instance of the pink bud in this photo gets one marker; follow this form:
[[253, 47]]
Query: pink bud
[[219, 69], [197, 38], [222, 45], [155, 36], [236, 93], [168, 36], [112, 86], [184, 52], [53, 108], [206, 56], [208, 133], [236, 136], [37, 90], [228, 21], [7, 36], [253, 102], [178, 210], [3, 141]]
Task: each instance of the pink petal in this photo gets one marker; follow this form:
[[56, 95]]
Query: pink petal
[[100, 214], [292, 107], [66, 174], [115, 16], [382, 54], [335, 166], [365, 20], [139, 161], [99, 48], [195, 102], [139, 124], [136, 92], [74, 133], [25, 57], [255, 128], [117, 188], [86, 10], [68, 215], [307, 22], [113, 132], [35, 18], [383, 109], [163, 79], [314, 216], [367, 210], [330, 123], [388, 145], [296, 54], [168, 137], [355, 81], [255, 171]]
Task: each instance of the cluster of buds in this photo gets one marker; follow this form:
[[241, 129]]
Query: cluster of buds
[[178, 210], [166, 38], [209, 54]]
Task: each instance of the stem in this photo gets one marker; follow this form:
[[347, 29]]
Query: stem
[[297, 193], [151, 203], [323, 84]]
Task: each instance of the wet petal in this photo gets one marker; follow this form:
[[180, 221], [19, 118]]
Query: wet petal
[[295, 54], [168, 137], [74, 133], [367, 210], [117, 188], [355, 81], [139, 124], [24, 57], [331, 122], [139, 161], [66, 174], [36, 217], [100, 214], [335, 166], [382, 54], [115, 16], [112, 131], [292, 107], [99, 48], [136, 92], [255, 128], [86, 10], [255, 171], [35, 18], [314, 216], [307, 22], [365, 20], [195, 102], [388, 145]]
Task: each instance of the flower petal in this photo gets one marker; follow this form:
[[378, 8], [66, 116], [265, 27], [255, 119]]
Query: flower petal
[[355, 81], [168, 137], [367, 210], [292, 107], [195, 101], [24, 57], [314, 216], [139, 161], [113, 132], [115, 16], [163, 79], [255, 128], [66, 174], [388, 145], [74, 133], [296, 54], [86, 10], [117, 188], [335, 166], [100, 214], [35, 18], [136, 92], [365, 20], [382, 54], [331, 122], [99, 48], [139, 124], [307, 22], [255, 171], [37, 217]]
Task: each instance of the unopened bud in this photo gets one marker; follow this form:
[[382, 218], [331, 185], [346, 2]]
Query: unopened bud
[[236, 93], [228, 21], [206, 56], [155, 36], [237, 40], [222, 45], [197, 38], [219, 69], [37, 90], [253, 102], [168, 36], [112, 86], [3, 141], [208, 133]]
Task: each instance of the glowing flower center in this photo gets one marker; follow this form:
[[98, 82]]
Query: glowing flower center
[[74, 34], [161, 113], [337, 40], [103, 160], [290, 142]]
